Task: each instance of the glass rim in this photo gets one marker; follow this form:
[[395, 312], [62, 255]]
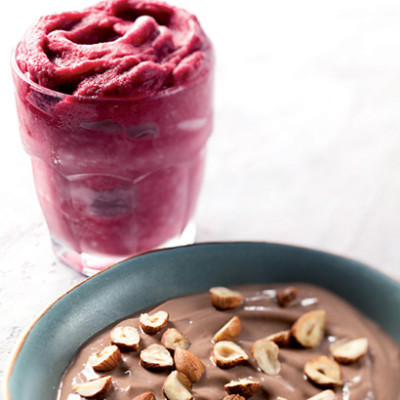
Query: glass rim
[[142, 96]]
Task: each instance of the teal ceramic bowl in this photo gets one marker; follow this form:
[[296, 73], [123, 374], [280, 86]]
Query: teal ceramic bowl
[[48, 346]]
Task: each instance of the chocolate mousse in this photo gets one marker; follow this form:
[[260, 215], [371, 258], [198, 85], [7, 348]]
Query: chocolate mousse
[[316, 346]]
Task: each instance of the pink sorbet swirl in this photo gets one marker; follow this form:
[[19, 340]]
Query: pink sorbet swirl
[[118, 48]]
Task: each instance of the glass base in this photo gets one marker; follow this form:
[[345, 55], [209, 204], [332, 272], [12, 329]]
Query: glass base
[[88, 264]]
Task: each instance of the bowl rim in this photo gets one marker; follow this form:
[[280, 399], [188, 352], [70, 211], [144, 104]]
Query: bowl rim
[[21, 341]]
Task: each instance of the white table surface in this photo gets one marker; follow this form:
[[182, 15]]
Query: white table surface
[[305, 150]]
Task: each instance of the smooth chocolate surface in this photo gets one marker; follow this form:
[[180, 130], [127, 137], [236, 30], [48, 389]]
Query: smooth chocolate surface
[[373, 377]]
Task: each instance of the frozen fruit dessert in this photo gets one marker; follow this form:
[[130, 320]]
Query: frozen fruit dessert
[[115, 108], [117, 48], [313, 346]]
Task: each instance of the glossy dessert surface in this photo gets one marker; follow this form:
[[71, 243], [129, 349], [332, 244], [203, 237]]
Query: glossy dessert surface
[[372, 376]]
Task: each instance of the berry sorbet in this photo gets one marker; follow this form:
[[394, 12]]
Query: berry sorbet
[[115, 109]]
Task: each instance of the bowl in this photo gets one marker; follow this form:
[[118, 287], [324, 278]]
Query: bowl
[[47, 347]]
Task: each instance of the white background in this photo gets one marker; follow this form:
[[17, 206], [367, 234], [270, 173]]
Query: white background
[[305, 148]]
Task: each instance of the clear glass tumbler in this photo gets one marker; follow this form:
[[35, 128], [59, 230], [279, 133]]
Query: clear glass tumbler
[[115, 176]]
